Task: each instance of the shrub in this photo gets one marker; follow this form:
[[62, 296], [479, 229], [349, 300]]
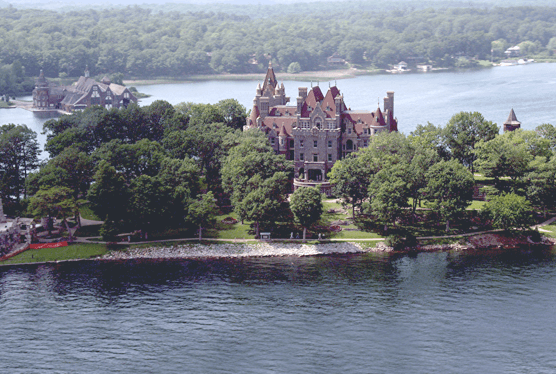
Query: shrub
[[395, 241]]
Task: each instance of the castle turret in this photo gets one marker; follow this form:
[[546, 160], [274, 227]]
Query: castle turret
[[41, 80], [512, 123]]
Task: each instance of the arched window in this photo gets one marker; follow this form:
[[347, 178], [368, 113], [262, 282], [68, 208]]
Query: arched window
[[349, 145]]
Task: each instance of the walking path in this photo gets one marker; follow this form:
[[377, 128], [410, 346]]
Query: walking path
[[85, 222]]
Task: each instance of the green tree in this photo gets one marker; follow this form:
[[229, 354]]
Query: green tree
[[351, 181], [263, 199], [509, 211], [252, 156], [389, 193], [182, 178], [109, 193], [233, 113], [149, 203], [306, 206], [19, 155], [541, 187], [54, 202], [502, 156], [203, 211], [294, 68], [449, 189], [463, 132]]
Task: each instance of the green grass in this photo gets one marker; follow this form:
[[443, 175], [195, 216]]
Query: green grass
[[4, 104], [366, 244], [476, 205], [355, 235], [485, 63], [481, 178], [87, 213], [71, 252], [226, 231], [551, 231]]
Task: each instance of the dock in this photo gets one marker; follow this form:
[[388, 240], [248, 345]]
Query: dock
[[28, 105]]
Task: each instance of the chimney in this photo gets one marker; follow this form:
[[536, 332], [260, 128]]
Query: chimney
[[390, 95]]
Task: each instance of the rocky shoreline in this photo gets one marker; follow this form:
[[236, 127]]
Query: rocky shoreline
[[277, 249], [229, 250]]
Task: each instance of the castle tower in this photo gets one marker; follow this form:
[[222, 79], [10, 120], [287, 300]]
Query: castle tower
[[41, 80], [512, 123], [86, 71]]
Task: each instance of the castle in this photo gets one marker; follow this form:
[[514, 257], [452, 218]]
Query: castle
[[83, 94], [318, 131]]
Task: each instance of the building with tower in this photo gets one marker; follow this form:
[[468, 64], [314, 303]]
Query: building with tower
[[319, 130], [84, 93], [512, 123]]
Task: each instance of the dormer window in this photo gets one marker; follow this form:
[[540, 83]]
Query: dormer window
[[328, 107], [358, 120]]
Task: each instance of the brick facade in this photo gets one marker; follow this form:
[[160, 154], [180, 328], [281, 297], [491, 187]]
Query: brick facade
[[318, 130]]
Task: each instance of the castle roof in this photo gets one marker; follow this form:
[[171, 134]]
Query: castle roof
[[329, 104], [254, 115], [512, 119], [313, 99], [270, 78]]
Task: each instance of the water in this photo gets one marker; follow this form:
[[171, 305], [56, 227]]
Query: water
[[430, 313], [419, 98]]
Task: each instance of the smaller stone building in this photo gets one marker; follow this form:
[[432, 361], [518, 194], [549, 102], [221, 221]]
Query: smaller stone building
[[84, 93]]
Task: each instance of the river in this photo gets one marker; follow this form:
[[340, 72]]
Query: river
[[487, 312], [419, 98], [371, 313]]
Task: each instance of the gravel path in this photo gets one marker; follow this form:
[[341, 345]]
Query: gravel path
[[242, 250]]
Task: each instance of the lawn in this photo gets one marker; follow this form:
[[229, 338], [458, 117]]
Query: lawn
[[354, 235], [551, 231], [71, 252], [87, 213], [229, 231], [476, 205]]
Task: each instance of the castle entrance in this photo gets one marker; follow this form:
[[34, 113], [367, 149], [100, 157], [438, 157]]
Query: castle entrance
[[315, 174]]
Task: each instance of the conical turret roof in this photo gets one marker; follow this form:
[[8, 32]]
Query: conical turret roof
[[512, 119]]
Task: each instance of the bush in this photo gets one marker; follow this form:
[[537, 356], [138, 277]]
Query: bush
[[395, 241], [108, 231], [294, 68], [509, 211]]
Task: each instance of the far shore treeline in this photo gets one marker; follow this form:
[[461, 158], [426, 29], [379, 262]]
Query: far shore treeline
[[136, 42], [161, 167]]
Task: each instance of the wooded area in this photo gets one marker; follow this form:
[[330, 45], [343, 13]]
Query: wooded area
[[143, 43], [164, 167]]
